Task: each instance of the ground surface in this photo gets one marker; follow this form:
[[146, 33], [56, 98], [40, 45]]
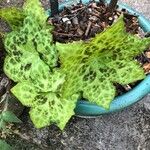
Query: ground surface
[[125, 130]]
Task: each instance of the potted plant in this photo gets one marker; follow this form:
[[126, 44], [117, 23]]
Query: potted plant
[[129, 98], [87, 109], [51, 76]]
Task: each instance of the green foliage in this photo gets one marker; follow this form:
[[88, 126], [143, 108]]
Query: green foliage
[[88, 68], [46, 107], [9, 116], [14, 16], [2, 123], [5, 146], [93, 67], [34, 8], [31, 61], [6, 116]]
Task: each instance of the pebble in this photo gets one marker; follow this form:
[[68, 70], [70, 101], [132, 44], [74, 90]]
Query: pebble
[[110, 18], [66, 20]]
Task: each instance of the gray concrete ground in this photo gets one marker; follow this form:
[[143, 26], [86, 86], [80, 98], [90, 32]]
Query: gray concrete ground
[[128, 129], [142, 6]]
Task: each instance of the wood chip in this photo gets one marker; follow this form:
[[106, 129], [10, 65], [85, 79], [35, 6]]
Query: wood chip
[[94, 5], [75, 21], [146, 67], [93, 18], [88, 28], [147, 54], [80, 32]]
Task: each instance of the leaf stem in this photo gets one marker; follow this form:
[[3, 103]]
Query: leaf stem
[[54, 7], [112, 5]]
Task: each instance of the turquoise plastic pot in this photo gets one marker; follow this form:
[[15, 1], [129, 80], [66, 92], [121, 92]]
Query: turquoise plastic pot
[[85, 108]]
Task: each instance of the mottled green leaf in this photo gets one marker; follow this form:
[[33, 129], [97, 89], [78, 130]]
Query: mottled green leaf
[[31, 59], [33, 8], [46, 108], [87, 69], [93, 67], [14, 16], [25, 92], [53, 110], [34, 39]]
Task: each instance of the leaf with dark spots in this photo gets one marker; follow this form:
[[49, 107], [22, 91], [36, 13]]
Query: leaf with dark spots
[[17, 53], [109, 59], [34, 44], [45, 103], [14, 16], [27, 66], [31, 59]]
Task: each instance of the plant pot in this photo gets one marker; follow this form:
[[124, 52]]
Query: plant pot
[[87, 109]]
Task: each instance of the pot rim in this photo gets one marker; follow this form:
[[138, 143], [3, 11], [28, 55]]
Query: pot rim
[[87, 109]]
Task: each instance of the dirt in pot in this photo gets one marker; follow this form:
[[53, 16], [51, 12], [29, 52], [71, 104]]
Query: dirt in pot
[[84, 21]]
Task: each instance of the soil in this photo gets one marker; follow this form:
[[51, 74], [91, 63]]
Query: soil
[[82, 22], [126, 130]]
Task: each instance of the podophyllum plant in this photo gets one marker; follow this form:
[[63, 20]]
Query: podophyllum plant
[[87, 69], [14, 16]]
